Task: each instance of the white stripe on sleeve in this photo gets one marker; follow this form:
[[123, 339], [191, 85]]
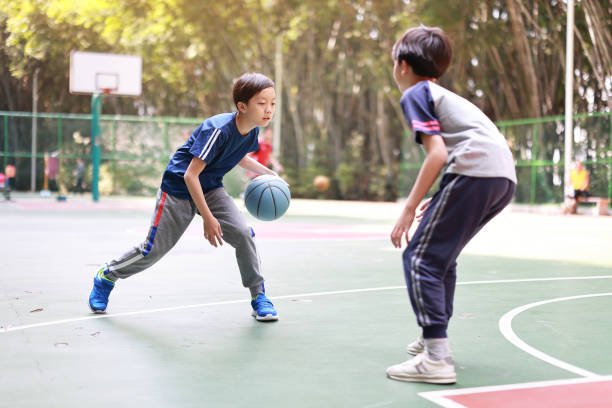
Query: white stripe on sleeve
[[209, 144]]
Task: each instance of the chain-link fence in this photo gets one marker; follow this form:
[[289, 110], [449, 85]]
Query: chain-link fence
[[135, 150], [538, 146]]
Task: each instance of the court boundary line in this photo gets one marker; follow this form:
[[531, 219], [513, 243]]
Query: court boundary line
[[313, 294], [439, 397], [505, 327]]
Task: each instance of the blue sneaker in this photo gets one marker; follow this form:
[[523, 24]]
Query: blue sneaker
[[263, 309], [98, 299]]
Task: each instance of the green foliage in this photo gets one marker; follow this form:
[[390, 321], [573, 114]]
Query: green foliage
[[130, 177], [340, 114]]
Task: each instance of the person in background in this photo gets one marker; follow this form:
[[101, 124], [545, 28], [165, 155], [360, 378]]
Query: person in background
[[10, 172], [264, 153], [577, 187], [80, 175]]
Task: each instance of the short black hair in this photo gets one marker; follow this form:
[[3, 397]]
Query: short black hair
[[426, 49], [248, 85]]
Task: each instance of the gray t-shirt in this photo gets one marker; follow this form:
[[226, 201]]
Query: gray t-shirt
[[475, 146]]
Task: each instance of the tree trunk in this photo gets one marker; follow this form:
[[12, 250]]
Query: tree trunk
[[525, 60]]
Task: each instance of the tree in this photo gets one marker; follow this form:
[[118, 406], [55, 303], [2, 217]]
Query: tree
[[342, 116]]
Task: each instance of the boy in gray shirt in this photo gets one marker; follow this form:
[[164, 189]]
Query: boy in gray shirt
[[478, 182]]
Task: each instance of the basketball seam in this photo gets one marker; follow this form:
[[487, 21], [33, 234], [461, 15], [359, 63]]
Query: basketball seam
[[286, 198], [253, 189], [260, 197], [273, 200], [279, 189]]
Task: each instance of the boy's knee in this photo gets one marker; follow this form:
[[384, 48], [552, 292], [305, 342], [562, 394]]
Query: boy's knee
[[244, 234]]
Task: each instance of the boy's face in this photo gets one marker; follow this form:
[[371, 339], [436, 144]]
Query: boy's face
[[260, 108]]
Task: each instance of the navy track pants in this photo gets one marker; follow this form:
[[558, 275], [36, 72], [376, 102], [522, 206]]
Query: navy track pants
[[457, 211]]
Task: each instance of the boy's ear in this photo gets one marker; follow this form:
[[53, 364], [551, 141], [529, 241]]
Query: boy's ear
[[404, 67], [242, 107]]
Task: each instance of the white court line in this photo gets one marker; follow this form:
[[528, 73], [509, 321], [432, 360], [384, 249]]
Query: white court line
[[505, 326], [229, 302], [439, 397]]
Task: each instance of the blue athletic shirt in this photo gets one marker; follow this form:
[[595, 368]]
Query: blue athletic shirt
[[475, 146], [219, 144]]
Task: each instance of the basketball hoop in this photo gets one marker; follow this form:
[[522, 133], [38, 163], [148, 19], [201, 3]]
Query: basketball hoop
[[107, 74], [97, 74]]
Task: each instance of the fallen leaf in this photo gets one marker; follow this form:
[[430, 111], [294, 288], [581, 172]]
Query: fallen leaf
[[36, 310]]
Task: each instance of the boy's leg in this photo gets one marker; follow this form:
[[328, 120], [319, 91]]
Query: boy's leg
[[461, 207], [456, 213], [169, 221], [450, 282], [239, 235]]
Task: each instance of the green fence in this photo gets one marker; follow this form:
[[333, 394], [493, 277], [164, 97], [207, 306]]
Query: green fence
[[135, 150], [538, 146]]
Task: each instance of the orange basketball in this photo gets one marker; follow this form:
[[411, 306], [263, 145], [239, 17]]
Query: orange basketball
[[321, 183]]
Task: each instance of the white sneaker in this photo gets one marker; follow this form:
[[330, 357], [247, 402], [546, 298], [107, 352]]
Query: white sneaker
[[416, 347], [423, 369]]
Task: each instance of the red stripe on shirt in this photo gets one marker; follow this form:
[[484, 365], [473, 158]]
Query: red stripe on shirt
[[159, 209], [432, 125], [431, 122], [430, 128]]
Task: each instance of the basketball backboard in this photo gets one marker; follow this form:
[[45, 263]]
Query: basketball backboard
[[114, 74]]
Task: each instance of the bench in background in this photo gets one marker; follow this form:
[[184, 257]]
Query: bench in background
[[602, 204]]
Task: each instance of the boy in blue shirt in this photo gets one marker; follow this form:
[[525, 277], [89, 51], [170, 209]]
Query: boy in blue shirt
[[193, 183], [478, 182]]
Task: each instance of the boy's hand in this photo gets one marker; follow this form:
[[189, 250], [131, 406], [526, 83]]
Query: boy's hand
[[212, 231], [422, 209], [401, 229], [282, 179]]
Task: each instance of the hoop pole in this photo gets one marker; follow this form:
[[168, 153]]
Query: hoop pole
[[96, 107], [34, 131]]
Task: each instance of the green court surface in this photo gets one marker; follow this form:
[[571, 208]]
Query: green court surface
[[532, 304]]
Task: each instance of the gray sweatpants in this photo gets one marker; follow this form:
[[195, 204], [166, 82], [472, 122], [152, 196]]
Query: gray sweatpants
[[170, 220]]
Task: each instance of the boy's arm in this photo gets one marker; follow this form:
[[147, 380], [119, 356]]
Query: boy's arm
[[212, 228], [275, 164], [434, 162], [253, 165]]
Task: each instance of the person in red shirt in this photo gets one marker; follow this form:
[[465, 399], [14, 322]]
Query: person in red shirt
[[264, 154], [9, 179]]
